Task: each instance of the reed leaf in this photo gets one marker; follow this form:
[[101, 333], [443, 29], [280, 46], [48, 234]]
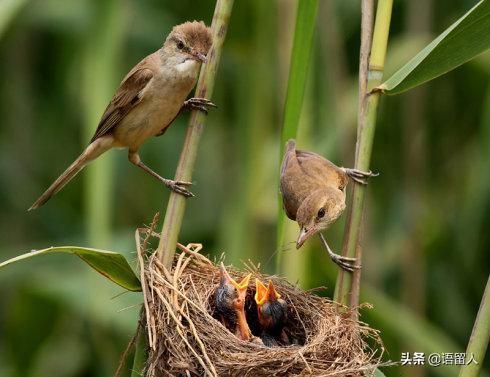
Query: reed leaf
[[9, 9], [298, 73], [466, 38], [108, 263], [477, 346]]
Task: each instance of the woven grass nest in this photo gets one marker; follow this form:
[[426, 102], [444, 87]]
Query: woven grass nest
[[185, 339]]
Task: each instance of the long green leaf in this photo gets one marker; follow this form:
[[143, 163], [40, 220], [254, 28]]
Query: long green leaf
[[462, 41], [298, 73], [477, 346], [9, 9], [108, 263]]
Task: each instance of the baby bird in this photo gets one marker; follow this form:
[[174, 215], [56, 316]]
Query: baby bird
[[272, 314], [230, 304], [313, 194]]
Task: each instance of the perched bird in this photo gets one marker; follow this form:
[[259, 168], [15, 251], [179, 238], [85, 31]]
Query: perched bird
[[230, 304], [272, 314], [313, 194], [148, 99]]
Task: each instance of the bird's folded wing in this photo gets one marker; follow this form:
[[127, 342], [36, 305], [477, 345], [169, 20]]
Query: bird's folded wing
[[127, 97], [289, 165], [289, 153], [319, 167]]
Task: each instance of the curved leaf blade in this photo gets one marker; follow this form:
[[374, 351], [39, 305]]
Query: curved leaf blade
[[462, 41], [108, 263]]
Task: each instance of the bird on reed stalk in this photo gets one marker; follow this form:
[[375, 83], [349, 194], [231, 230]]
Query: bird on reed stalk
[[147, 101], [230, 304], [313, 194], [272, 314]]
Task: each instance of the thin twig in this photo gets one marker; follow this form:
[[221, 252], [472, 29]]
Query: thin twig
[[144, 286]]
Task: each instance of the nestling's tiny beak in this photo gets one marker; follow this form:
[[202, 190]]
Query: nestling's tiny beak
[[272, 294], [260, 292], [225, 276], [196, 55], [241, 287], [304, 234]]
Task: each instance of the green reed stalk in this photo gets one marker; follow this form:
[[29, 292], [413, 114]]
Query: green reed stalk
[[347, 287], [298, 73], [100, 79], [176, 204]]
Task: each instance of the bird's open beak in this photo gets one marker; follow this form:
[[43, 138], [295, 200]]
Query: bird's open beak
[[304, 234], [263, 293], [241, 287], [272, 294], [196, 55], [260, 292]]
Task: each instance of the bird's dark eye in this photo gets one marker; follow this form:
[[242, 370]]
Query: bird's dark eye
[[321, 213], [180, 45]]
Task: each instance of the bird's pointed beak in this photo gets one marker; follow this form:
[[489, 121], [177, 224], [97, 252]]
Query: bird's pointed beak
[[304, 234], [241, 287], [196, 55], [225, 276], [272, 294], [260, 292]]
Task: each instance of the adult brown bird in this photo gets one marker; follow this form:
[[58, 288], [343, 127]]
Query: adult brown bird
[[272, 314], [313, 194], [230, 304], [148, 99]]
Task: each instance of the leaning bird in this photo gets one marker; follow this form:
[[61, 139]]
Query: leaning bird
[[272, 314], [313, 194], [230, 304], [146, 103]]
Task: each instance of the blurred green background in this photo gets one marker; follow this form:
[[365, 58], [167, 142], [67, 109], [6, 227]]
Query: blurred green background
[[426, 234]]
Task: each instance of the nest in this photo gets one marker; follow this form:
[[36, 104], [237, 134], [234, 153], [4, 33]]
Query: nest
[[185, 338]]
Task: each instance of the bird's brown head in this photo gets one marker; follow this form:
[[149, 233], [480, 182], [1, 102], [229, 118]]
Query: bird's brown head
[[271, 307], [320, 209], [190, 40]]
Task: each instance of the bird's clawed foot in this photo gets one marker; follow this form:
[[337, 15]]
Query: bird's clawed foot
[[359, 176], [346, 263], [201, 104], [180, 187]]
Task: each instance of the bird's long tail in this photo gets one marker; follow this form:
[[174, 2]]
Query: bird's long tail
[[94, 150]]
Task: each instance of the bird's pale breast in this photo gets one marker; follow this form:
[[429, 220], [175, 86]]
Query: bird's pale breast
[[161, 102]]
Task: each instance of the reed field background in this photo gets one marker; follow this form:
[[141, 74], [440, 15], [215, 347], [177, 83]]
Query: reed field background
[[426, 238]]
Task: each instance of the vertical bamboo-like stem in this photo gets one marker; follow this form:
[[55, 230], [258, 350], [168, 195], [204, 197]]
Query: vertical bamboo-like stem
[[298, 73], [477, 346], [140, 352], [176, 204], [100, 80], [347, 287]]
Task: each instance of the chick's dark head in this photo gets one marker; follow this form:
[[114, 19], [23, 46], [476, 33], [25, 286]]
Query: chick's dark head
[[271, 308], [230, 295]]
